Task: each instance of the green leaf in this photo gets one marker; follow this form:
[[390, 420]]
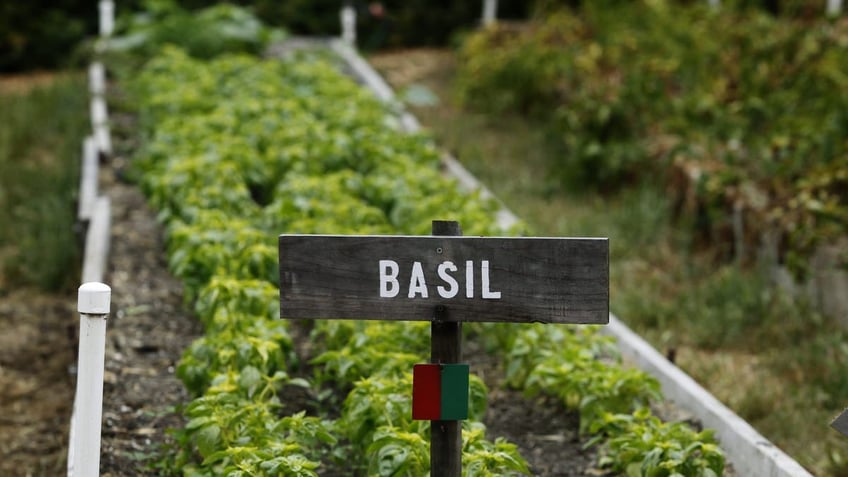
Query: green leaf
[[207, 439], [250, 379]]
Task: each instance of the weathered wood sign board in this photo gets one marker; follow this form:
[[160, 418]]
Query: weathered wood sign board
[[840, 423], [550, 280]]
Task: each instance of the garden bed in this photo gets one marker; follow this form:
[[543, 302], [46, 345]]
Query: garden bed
[[508, 408], [149, 329]]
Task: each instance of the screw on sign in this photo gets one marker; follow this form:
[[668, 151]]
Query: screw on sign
[[445, 279]]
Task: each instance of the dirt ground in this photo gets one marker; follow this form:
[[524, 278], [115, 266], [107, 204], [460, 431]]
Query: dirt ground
[[21, 83], [147, 333], [37, 346]]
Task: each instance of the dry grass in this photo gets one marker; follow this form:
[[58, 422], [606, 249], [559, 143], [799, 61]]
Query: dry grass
[[24, 83], [44, 118]]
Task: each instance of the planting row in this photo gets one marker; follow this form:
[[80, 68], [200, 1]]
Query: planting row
[[238, 150], [228, 166]]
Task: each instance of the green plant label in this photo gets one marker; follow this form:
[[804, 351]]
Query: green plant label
[[440, 392]]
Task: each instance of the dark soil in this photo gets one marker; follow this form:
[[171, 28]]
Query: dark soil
[[37, 346], [545, 433], [146, 336]]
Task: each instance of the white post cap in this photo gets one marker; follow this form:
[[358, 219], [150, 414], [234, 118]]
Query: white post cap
[[94, 298]]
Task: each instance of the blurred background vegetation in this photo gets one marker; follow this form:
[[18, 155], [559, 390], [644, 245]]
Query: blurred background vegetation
[[46, 34]]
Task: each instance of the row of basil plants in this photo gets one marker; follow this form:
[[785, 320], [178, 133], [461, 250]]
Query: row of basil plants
[[236, 151]]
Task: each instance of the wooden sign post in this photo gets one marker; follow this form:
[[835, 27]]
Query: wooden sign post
[[445, 279], [445, 348]]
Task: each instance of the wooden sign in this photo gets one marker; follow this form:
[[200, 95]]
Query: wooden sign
[[445, 279], [550, 280], [840, 423]]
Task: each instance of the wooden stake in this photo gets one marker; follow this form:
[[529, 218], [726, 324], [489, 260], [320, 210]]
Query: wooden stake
[[445, 347]]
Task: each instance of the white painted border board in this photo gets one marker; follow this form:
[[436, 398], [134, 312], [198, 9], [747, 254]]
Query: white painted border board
[[88, 179], [748, 451], [96, 255]]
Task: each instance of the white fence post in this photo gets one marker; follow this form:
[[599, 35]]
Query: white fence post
[[88, 179], [98, 112], [94, 299], [100, 125], [96, 79], [834, 7], [107, 17], [348, 19], [490, 11]]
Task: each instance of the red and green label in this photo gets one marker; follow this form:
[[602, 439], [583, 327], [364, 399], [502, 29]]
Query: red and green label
[[440, 392]]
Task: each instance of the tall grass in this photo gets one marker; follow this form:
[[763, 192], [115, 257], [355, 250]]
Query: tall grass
[[41, 130]]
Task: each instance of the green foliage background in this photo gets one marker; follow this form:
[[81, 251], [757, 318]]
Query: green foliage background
[[41, 34], [731, 111]]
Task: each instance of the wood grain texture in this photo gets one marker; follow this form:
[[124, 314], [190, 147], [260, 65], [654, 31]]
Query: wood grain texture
[[549, 280]]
